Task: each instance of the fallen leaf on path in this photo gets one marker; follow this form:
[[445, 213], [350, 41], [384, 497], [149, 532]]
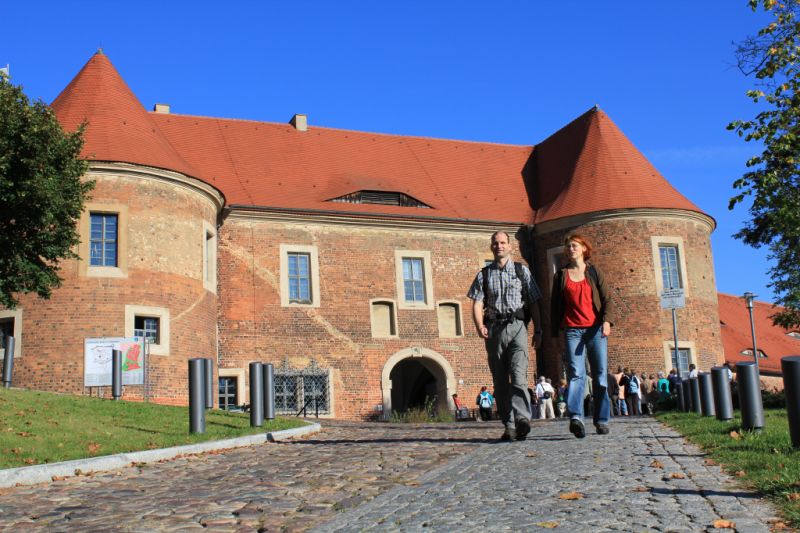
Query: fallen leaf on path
[[709, 462], [641, 489], [657, 464], [740, 473], [677, 475], [571, 496], [724, 524], [532, 454], [734, 435], [779, 525], [58, 478], [547, 525]]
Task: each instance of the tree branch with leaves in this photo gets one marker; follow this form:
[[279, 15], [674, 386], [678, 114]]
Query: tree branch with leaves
[[772, 181]]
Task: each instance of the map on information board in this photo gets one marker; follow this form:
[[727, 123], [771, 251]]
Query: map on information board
[[97, 360]]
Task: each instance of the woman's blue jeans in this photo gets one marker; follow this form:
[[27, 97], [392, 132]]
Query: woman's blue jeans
[[583, 343]]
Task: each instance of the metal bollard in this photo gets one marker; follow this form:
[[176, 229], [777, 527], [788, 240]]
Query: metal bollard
[[679, 396], [722, 393], [208, 371], [749, 382], [269, 391], [706, 394], [791, 386], [256, 395], [687, 396], [8, 362], [197, 401], [116, 374], [694, 388]]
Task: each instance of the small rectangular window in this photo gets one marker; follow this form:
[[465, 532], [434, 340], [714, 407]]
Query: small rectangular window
[[299, 277], [6, 330], [209, 257], [148, 327], [227, 393], [682, 362], [413, 279], [670, 266], [103, 239]]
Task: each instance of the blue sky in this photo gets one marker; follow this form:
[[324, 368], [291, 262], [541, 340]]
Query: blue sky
[[508, 72]]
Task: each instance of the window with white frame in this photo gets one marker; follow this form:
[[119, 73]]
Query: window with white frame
[[228, 389], [151, 323], [148, 327], [103, 239], [680, 361], [299, 270], [414, 281], [670, 266]]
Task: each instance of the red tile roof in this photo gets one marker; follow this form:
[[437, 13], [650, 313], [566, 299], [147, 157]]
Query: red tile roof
[[774, 341], [587, 166]]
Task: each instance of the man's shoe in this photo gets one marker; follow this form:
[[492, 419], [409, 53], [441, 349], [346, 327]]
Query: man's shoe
[[576, 428], [602, 429], [523, 428], [508, 435]]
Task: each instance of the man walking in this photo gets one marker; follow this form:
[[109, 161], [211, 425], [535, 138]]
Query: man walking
[[504, 295]]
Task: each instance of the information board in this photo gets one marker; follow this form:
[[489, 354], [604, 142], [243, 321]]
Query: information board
[[673, 299], [97, 360]]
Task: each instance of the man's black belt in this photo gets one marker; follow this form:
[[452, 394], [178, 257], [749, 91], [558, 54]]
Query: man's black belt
[[509, 316]]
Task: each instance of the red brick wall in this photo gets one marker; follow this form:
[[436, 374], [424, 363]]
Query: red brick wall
[[164, 233]]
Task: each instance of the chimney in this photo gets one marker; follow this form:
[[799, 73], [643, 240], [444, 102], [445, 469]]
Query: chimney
[[300, 122], [161, 108]]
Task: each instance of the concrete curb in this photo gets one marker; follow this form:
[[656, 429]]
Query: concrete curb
[[30, 475]]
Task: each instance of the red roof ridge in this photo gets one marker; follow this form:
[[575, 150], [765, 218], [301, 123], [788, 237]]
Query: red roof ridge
[[345, 130], [589, 165], [118, 126]]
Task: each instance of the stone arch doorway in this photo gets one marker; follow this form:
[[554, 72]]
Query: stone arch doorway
[[411, 375]]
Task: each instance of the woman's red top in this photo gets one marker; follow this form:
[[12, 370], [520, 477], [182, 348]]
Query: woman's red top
[[578, 306]]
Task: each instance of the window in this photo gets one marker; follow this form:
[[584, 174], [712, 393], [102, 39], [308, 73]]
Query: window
[[11, 326], [309, 388], [383, 318], [299, 270], [147, 327], [450, 320], [286, 393], [413, 277], [670, 267], [6, 330], [682, 362], [209, 257], [103, 239], [299, 278], [380, 198], [315, 393], [228, 392], [150, 322]]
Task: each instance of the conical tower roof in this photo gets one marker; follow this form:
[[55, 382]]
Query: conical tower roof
[[589, 165], [118, 126]]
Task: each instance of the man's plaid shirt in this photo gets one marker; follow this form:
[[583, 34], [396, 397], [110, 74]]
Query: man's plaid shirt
[[505, 290]]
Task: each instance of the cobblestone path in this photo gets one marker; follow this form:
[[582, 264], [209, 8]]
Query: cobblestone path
[[448, 477]]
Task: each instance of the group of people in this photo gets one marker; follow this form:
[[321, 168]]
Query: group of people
[[506, 298]]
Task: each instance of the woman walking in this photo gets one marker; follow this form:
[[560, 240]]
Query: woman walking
[[580, 307]]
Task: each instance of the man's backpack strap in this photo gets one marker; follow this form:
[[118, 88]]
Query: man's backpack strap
[[525, 304], [485, 275]]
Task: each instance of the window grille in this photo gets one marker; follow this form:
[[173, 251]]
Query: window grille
[[227, 393], [103, 240], [380, 198], [682, 362], [147, 327], [296, 388]]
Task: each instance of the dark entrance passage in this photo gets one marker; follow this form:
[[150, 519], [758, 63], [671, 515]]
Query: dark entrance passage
[[412, 385]]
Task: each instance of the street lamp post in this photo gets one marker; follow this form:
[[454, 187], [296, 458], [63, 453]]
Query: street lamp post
[[748, 300]]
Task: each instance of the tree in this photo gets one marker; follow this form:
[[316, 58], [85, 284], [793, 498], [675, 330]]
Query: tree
[[41, 195], [772, 181]]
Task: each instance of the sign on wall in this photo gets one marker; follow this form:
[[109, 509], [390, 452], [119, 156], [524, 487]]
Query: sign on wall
[[97, 361], [673, 299]]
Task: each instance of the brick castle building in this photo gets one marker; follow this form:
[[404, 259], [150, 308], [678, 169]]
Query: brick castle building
[[343, 257]]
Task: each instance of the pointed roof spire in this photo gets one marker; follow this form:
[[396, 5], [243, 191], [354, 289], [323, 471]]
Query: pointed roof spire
[[589, 165], [119, 128]]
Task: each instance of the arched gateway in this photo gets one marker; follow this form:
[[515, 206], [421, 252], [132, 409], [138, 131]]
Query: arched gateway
[[412, 374]]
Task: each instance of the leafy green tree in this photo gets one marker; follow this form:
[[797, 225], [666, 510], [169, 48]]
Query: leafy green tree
[[772, 181], [41, 195]]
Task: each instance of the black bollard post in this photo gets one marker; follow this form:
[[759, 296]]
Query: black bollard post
[[8, 362], [791, 386], [706, 394], [680, 397], [197, 392], [269, 391], [687, 396], [722, 393], [208, 371], [694, 388], [749, 382], [256, 395], [116, 374]]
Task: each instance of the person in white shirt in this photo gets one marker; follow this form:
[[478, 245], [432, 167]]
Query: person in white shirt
[[545, 393], [692, 371]]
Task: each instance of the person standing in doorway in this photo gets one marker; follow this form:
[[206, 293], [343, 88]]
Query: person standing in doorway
[[504, 297], [581, 308]]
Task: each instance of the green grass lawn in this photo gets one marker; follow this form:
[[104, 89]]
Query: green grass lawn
[[763, 461], [40, 427]]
